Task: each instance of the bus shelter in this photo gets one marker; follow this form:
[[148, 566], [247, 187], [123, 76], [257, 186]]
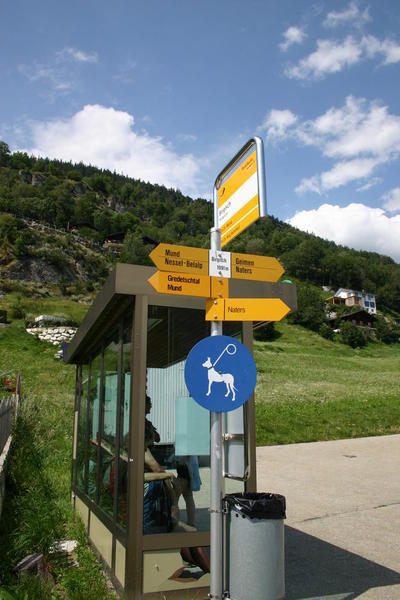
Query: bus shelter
[[141, 445]]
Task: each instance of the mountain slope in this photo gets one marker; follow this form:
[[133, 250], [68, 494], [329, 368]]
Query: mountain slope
[[94, 204]]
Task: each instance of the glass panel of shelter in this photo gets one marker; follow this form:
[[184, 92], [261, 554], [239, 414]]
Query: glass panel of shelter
[[104, 410], [124, 420], [177, 430], [108, 423], [93, 423], [82, 391]]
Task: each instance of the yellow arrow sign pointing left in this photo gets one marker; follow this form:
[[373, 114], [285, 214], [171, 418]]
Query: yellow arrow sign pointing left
[[181, 284], [180, 259], [246, 309]]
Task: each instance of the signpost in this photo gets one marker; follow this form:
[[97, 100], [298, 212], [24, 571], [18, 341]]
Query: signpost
[[239, 200]]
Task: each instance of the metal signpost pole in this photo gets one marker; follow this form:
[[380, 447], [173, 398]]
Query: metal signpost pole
[[217, 482]]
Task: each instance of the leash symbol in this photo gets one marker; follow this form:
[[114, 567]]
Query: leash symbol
[[216, 377]]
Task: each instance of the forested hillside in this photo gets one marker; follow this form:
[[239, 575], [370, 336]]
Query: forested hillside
[[95, 204]]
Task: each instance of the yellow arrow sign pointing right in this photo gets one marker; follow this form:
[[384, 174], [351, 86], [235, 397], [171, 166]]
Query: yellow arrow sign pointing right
[[252, 266], [246, 309]]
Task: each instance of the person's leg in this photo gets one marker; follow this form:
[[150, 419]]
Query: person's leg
[[185, 490], [190, 507], [174, 494]]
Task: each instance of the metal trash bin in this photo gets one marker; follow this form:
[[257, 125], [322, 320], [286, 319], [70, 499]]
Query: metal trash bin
[[255, 546]]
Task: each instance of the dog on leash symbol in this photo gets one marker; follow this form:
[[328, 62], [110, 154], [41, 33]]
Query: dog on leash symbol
[[216, 377]]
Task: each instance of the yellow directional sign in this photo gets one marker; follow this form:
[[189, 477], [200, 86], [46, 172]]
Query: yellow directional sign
[[181, 284], [180, 259], [246, 309], [260, 268]]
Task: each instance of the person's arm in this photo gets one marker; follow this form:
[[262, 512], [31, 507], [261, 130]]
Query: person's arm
[[151, 462], [157, 472], [157, 476]]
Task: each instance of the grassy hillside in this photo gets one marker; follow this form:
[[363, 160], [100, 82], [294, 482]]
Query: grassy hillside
[[37, 510], [86, 203], [312, 389]]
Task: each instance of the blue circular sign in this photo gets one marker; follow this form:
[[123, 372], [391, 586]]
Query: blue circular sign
[[220, 373]]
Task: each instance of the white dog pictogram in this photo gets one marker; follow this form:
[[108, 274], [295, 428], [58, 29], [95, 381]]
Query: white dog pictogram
[[215, 377]]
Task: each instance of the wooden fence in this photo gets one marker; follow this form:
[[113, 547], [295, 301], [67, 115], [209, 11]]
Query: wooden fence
[[8, 409]]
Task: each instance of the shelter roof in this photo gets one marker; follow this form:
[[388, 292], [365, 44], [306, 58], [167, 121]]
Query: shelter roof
[[126, 281]]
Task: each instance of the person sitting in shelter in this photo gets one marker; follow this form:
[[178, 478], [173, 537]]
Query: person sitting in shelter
[[160, 501]]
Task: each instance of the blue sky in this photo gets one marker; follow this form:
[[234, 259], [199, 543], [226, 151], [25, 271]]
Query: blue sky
[[168, 90]]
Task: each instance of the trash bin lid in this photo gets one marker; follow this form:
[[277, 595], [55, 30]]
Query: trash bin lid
[[258, 505]]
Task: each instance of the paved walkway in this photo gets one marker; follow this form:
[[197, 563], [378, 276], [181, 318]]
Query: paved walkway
[[343, 516]]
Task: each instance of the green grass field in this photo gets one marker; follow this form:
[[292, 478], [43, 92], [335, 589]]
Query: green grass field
[[37, 510], [308, 389], [311, 389]]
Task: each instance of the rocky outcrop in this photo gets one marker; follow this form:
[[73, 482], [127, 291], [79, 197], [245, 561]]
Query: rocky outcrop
[[39, 270], [37, 179], [26, 176], [115, 204]]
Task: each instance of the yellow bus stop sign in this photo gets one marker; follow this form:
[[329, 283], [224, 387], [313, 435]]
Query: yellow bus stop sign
[[239, 191]]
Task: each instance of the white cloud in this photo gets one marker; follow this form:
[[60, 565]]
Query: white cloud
[[371, 183], [352, 15], [277, 123], [360, 136], [388, 48], [54, 80], [332, 56], [346, 171], [391, 50], [76, 55], [310, 184], [292, 35], [370, 131], [186, 137], [106, 138], [61, 74], [356, 225], [392, 200], [341, 174]]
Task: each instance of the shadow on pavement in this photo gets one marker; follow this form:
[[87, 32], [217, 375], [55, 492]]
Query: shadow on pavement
[[317, 569]]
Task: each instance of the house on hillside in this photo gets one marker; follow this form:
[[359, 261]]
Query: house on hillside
[[353, 298], [360, 318], [363, 320]]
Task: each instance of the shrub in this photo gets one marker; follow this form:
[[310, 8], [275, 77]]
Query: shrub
[[326, 331], [352, 335], [17, 309], [265, 333], [311, 308], [29, 320], [385, 332]]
